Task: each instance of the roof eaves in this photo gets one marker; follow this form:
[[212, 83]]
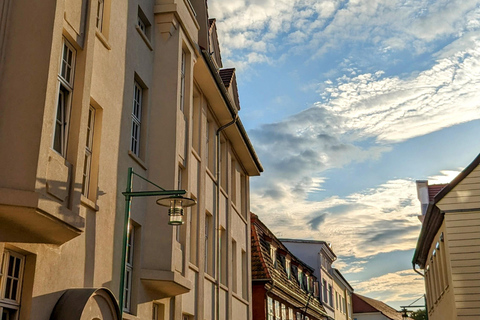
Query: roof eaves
[[232, 109], [439, 196]]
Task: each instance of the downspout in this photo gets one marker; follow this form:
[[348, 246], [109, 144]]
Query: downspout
[[424, 296], [218, 169], [306, 306]]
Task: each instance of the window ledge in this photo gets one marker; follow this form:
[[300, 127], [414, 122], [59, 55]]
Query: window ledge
[[89, 203], [144, 37], [129, 316], [137, 159], [193, 267], [103, 39], [241, 299]]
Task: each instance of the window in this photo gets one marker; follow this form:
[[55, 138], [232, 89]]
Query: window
[[336, 300], [223, 257], [142, 25], [290, 314], [344, 308], [87, 165], [288, 268], [324, 286], [270, 308], [11, 276], [195, 213], [211, 146], [330, 295], [136, 119], [182, 81], [273, 255], [155, 311], [234, 266], [277, 310], [99, 18], [127, 292], [244, 275], [284, 312], [65, 79], [209, 248]]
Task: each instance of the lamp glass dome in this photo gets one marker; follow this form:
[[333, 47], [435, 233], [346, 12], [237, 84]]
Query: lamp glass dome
[[176, 204]]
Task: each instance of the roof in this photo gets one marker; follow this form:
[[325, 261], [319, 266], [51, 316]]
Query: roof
[[326, 245], [462, 175], [275, 278], [434, 189], [340, 276], [434, 217], [227, 75], [362, 304]]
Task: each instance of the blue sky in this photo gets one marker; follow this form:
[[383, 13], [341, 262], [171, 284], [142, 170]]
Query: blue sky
[[347, 104]]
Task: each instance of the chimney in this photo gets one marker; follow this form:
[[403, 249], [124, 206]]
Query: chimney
[[422, 195]]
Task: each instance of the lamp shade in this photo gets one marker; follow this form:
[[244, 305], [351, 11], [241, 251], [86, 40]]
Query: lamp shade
[[176, 204]]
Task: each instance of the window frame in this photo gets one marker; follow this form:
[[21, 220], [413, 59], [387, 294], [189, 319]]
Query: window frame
[[129, 269], [137, 109], [12, 305], [87, 166], [65, 77], [99, 15]]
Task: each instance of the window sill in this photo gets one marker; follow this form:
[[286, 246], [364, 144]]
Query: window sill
[[209, 277], [137, 159], [239, 298], [102, 39], [193, 267], [144, 37], [89, 203], [129, 316]]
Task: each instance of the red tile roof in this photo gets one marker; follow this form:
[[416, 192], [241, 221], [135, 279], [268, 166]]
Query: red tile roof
[[227, 76], [362, 304], [433, 189], [263, 269]]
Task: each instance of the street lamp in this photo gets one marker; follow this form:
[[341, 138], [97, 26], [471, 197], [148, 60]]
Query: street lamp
[[173, 199], [404, 313], [176, 204]]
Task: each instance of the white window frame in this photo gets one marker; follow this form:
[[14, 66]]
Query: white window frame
[[270, 309], [273, 255], [87, 166], [64, 98], [288, 268], [182, 80], [99, 16], [6, 303], [136, 118], [127, 290]]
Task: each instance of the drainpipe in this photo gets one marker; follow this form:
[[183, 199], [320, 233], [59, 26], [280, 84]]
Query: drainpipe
[[217, 224], [424, 296]]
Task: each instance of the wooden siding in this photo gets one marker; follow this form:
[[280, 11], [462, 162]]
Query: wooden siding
[[463, 236], [465, 195]]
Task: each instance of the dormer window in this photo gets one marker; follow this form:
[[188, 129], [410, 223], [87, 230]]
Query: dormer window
[[288, 268], [300, 278], [273, 255]]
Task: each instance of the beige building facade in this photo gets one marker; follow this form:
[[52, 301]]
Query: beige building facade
[[448, 248], [89, 89], [342, 296]]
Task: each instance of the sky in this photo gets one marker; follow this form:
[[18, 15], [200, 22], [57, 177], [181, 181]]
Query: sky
[[347, 104]]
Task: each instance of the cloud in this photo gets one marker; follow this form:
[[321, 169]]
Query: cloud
[[399, 286], [318, 27], [360, 225], [361, 116]]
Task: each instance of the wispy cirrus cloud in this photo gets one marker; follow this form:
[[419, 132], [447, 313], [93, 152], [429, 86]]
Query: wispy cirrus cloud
[[403, 285], [358, 119], [271, 27], [363, 224]]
